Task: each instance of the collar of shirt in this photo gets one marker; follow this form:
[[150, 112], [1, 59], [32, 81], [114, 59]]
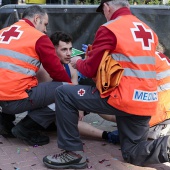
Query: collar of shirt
[[29, 22], [120, 12]]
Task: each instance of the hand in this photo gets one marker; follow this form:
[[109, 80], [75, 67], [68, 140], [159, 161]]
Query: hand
[[81, 115], [74, 60], [84, 47]]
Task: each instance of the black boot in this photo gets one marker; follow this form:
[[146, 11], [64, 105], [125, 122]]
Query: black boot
[[28, 130], [51, 128], [6, 124]]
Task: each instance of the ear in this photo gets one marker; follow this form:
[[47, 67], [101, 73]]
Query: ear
[[106, 6], [36, 18]]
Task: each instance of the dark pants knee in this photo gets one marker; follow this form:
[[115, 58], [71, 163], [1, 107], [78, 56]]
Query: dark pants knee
[[135, 147]]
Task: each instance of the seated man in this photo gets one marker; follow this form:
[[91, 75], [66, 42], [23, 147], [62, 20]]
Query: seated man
[[63, 46]]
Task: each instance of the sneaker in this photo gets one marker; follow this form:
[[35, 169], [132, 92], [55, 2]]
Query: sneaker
[[159, 130], [113, 137], [6, 124], [66, 160], [165, 130], [28, 130]]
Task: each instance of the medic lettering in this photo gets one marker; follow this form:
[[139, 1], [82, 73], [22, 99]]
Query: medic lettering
[[145, 96]]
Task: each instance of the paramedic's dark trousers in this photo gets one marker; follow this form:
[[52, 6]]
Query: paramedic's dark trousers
[[133, 130], [36, 103]]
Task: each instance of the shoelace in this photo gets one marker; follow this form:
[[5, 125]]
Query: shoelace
[[66, 156]]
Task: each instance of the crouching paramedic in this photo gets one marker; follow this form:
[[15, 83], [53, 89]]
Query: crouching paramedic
[[23, 47], [134, 100]]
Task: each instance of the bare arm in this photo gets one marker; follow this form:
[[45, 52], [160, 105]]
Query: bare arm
[[74, 75], [42, 75]]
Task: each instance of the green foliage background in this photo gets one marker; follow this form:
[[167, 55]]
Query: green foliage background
[[139, 2], [148, 2]]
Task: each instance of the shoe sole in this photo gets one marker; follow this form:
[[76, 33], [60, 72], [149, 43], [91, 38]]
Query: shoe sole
[[19, 135], [73, 166], [6, 132]]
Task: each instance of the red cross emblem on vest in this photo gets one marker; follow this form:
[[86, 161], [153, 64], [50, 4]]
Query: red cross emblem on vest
[[12, 33], [81, 92], [164, 58], [143, 35]]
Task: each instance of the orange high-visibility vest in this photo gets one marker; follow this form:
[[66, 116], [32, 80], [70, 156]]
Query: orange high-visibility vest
[[163, 79], [19, 61], [135, 51]]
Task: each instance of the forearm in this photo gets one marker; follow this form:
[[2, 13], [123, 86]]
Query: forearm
[[104, 40]]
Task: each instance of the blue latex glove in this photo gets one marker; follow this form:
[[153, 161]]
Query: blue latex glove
[[84, 47]]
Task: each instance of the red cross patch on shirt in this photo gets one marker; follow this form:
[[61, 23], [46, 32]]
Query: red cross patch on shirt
[[81, 92], [12, 33], [143, 35]]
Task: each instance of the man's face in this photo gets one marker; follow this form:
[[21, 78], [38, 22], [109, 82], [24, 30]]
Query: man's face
[[64, 51], [41, 23]]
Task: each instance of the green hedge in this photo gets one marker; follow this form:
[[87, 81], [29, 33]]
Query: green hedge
[[132, 2]]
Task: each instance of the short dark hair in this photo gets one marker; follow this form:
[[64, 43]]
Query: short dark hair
[[30, 11], [60, 36]]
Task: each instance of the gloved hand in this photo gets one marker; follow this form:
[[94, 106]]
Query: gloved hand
[[84, 47]]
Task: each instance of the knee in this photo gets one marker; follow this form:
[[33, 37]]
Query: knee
[[61, 90], [130, 158], [126, 156], [130, 154], [58, 91]]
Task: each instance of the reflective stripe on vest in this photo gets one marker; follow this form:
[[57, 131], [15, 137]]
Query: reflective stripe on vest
[[163, 74], [18, 69], [139, 73], [136, 60], [19, 56], [164, 87]]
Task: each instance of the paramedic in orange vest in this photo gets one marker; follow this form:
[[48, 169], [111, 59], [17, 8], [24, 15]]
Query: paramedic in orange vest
[[23, 47], [163, 79], [133, 44]]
